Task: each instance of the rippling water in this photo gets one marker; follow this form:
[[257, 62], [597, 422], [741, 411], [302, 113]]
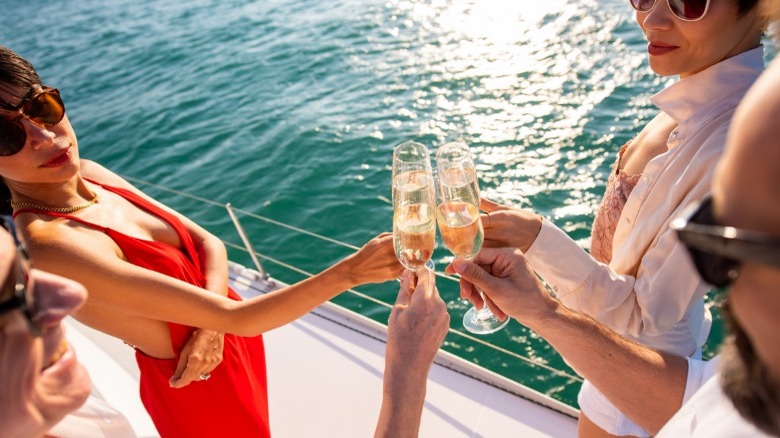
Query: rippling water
[[290, 109]]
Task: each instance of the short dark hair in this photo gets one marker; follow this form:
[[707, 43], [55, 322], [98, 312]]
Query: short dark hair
[[16, 74], [745, 6]]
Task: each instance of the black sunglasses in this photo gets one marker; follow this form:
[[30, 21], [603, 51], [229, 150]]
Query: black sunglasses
[[718, 251], [43, 107], [686, 10], [20, 281]]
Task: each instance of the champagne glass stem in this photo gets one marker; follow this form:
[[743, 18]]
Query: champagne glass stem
[[484, 313], [482, 322]]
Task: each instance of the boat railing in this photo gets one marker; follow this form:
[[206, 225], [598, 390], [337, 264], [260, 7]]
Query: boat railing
[[256, 256], [247, 243]]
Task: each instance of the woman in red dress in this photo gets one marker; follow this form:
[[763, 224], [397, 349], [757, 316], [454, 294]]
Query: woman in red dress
[[153, 275]]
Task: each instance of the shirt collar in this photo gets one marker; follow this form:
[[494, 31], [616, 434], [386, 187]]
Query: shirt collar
[[721, 84]]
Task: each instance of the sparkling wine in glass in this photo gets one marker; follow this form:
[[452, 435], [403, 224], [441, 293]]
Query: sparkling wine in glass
[[414, 217], [457, 213]]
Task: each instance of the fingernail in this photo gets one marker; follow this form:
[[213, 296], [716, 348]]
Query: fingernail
[[458, 266]]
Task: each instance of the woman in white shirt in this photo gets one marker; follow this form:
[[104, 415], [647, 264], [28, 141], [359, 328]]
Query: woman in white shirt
[[638, 278]]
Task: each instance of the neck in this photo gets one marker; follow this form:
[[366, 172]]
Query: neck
[[71, 193]]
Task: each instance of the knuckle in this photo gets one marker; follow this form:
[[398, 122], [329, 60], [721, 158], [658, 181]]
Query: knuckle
[[474, 272]]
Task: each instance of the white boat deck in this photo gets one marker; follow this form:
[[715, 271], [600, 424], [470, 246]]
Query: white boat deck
[[325, 379]]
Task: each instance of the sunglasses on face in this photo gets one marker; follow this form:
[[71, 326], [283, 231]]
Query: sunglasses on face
[[43, 107], [19, 282], [718, 251], [686, 10]]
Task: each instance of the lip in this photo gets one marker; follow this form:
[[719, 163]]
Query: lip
[[657, 48], [59, 160]]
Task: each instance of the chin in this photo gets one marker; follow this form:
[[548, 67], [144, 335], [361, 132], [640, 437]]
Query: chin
[[662, 69], [748, 382]]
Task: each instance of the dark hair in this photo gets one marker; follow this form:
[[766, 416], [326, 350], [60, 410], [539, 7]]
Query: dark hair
[[745, 6], [17, 75], [747, 381]]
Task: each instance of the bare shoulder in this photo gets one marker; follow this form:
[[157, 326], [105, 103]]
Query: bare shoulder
[[50, 240]]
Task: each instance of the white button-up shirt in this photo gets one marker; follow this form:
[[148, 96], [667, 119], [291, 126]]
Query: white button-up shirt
[[650, 291], [706, 412]]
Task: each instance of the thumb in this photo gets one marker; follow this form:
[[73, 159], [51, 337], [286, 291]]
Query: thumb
[[472, 273], [180, 367], [426, 285]]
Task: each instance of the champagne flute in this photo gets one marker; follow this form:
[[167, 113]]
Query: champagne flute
[[414, 218], [457, 213]]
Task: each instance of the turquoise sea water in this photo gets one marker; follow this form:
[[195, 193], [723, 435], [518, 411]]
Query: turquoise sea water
[[290, 109]]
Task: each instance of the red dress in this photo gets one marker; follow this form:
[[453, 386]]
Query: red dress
[[234, 401]]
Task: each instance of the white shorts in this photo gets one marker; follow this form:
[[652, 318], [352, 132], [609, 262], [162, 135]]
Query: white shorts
[[604, 414]]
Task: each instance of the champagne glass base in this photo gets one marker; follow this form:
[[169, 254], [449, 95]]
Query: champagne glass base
[[481, 324]]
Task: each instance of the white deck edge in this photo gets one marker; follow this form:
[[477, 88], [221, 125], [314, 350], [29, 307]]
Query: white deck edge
[[369, 327]]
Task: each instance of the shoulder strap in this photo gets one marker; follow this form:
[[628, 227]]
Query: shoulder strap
[[187, 243]]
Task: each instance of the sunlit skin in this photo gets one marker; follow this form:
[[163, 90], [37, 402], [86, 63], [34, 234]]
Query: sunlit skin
[[696, 45], [48, 171], [42, 380], [651, 388], [415, 330], [44, 145], [646, 382], [677, 48], [47, 168], [685, 48], [132, 302]]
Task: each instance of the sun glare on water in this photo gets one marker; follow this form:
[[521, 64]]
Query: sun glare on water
[[517, 80]]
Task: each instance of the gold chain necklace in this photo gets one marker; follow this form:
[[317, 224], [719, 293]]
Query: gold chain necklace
[[19, 205]]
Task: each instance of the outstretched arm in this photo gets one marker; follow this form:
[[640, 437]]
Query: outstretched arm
[[116, 284], [417, 326], [645, 384]]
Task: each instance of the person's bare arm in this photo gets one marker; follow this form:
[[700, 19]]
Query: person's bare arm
[[645, 384], [417, 326], [114, 283], [211, 250]]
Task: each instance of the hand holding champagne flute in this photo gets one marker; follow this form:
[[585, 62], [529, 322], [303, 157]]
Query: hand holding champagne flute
[[457, 213], [414, 224]]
